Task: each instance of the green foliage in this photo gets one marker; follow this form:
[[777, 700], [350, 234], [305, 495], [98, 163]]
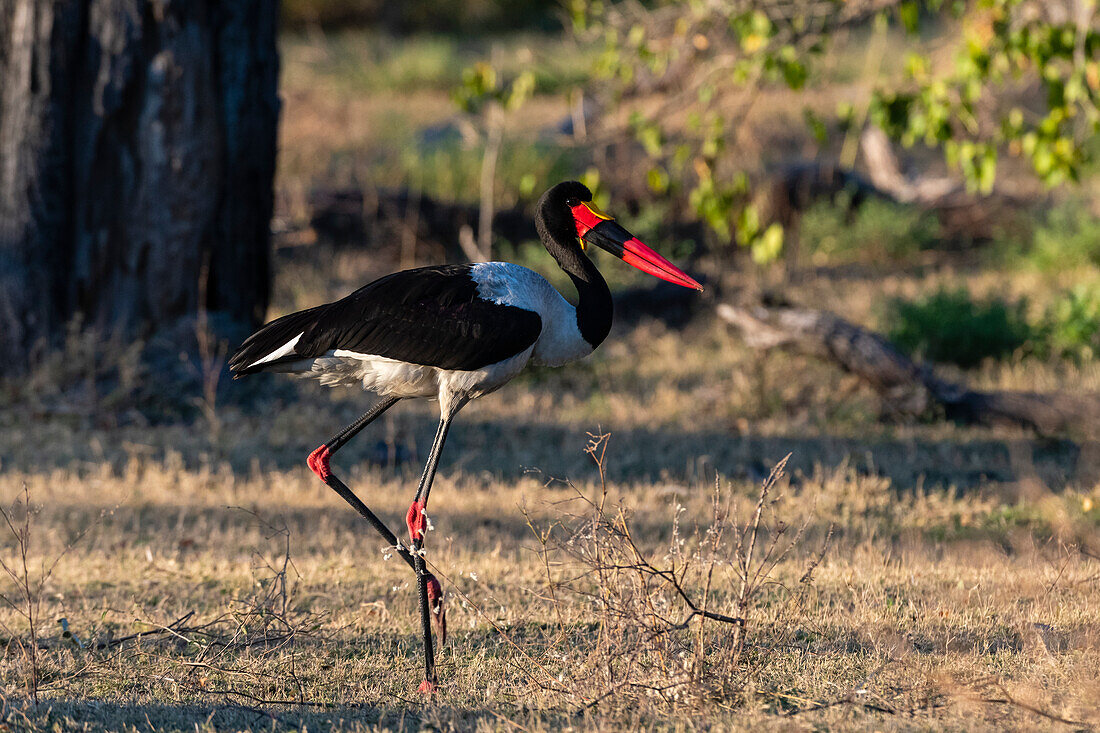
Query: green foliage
[[1007, 44], [1067, 239], [721, 52], [951, 327], [1070, 328], [482, 85], [878, 231], [735, 45]]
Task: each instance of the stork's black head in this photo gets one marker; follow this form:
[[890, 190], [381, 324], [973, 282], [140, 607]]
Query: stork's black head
[[554, 217], [568, 221]]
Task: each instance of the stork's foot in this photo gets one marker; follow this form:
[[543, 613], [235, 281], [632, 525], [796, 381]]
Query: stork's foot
[[318, 463], [427, 687], [439, 611]]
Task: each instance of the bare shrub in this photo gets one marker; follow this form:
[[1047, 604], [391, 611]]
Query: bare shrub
[[27, 599], [695, 621], [30, 584]]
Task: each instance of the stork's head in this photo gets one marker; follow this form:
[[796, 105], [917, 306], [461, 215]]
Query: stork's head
[[566, 216]]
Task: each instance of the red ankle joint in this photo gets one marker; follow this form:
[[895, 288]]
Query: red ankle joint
[[427, 687], [435, 603], [416, 520], [435, 591], [318, 463]]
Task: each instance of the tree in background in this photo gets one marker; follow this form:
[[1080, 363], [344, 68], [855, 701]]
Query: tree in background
[[485, 97], [137, 155], [683, 76]]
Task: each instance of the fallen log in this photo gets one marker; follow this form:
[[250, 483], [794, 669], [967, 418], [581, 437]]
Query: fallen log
[[909, 387]]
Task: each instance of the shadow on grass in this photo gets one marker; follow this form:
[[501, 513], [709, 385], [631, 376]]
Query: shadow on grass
[[94, 716], [506, 450]]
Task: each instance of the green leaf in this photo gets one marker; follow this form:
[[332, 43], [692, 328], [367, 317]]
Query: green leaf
[[527, 184], [748, 223], [650, 138], [987, 170], [591, 178], [794, 73], [769, 245], [909, 11], [521, 90], [657, 178], [817, 127]]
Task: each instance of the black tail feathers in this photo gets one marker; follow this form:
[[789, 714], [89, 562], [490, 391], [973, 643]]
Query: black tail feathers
[[269, 339]]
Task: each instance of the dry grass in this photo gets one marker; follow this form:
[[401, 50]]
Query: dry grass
[[932, 607]]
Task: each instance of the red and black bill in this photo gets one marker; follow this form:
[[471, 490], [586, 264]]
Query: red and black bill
[[596, 227]]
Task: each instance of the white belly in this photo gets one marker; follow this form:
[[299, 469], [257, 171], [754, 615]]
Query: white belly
[[393, 378]]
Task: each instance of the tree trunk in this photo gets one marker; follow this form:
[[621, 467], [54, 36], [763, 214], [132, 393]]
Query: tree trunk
[[137, 153]]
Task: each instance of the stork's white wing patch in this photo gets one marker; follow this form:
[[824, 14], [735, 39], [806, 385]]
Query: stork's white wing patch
[[284, 350]]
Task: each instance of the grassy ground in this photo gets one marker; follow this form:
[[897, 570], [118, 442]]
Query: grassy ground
[[931, 607], [904, 576], [954, 591]]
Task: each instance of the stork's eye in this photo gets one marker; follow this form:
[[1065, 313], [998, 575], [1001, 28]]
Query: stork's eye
[[572, 201]]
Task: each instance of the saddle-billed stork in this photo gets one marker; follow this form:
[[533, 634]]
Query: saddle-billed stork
[[453, 333]]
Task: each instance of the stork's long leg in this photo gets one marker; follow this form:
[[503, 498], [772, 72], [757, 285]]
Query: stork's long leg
[[427, 585], [318, 463]]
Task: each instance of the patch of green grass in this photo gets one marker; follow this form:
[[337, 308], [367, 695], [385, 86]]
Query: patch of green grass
[[878, 231], [361, 61], [1071, 326], [452, 172], [950, 326], [1066, 239]]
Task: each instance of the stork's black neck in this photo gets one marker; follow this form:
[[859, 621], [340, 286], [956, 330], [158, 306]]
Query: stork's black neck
[[594, 306]]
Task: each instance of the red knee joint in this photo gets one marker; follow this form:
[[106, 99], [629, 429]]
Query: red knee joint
[[427, 687], [318, 463], [417, 520]]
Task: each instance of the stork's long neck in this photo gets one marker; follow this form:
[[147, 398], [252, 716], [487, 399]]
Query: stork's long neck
[[558, 235], [594, 307]]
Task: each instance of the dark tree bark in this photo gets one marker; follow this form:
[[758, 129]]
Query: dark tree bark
[[137, 154]]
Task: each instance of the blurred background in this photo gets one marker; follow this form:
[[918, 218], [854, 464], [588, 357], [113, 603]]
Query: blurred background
[[893, 205], [925, 171]]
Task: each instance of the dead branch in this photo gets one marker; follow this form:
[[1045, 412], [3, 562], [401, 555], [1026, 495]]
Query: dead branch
[[886, 174], [172, 628], [908, 387]]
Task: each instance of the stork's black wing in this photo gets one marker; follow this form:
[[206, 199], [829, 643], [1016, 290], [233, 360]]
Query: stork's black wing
[[429, 315]]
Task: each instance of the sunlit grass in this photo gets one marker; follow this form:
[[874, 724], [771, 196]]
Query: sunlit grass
[[929, 600]]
